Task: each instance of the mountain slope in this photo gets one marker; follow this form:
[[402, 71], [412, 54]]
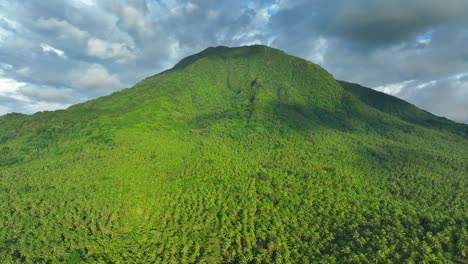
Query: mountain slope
[[401, 109], [234, 155]]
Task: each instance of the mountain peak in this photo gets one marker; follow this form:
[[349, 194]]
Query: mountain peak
[[226, 52]]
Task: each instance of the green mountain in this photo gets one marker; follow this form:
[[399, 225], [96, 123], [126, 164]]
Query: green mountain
[[235, 155], [403, 110]]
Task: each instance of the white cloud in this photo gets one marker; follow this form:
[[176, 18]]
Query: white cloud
[[11, 23], [131, 19], [424, 85], [29, 98], [24, 71], [394, 88], [9, 86], [48, 94], [30, 107], [94, 77], [46, 48], [444, 97], [97, 47], [459, 76], [86, 2], [33, 107], [191, 7], [107, 50], [318, 51], [63, 28], [425, 39]]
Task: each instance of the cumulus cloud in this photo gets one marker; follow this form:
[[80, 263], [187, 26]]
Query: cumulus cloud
[[48, 94], [94, 77], [29, 98], [107, 50], [9, 86], [62, 28], [131, 19]]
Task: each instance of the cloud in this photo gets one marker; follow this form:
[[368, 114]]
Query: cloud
[[62, 28], [5, 67], [94, 77], [46, 48], [395, 88], [318, 49], [444, 97], [29, 98], [9, 105], [369, 23], [48, 94], [389, 21], [377, 42], [24, 71], [131, 19], [191, 7], [107, 50], [87, 2], [9, 86]]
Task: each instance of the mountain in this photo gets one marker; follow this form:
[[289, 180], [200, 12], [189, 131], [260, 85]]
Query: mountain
[[401, 109], [235, 155]]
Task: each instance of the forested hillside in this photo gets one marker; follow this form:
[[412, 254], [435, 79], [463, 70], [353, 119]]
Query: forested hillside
[[235, 155]]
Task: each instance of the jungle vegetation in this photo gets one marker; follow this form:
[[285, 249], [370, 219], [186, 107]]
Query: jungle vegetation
[[235, 155]]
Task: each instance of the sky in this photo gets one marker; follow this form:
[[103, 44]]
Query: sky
[[56, 53]]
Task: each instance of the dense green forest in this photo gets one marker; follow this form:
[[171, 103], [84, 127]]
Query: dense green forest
[[235, 155]]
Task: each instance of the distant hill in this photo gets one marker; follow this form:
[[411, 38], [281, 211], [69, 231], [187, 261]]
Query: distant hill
[[235, 155]]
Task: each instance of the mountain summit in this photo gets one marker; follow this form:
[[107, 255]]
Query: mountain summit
[[235, 155]]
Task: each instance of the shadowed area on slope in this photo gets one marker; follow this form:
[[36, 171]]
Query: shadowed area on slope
[[309, 118]]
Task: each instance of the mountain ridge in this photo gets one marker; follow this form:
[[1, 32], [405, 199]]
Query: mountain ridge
[[221, 51]]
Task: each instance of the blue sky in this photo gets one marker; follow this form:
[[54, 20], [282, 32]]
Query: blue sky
[[56, 53]]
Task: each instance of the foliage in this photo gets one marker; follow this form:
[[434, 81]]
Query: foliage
[[243, 155]]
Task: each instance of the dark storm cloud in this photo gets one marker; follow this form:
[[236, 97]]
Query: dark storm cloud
[[388, 21], [379, 22], [441, 58], [82, 49]]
